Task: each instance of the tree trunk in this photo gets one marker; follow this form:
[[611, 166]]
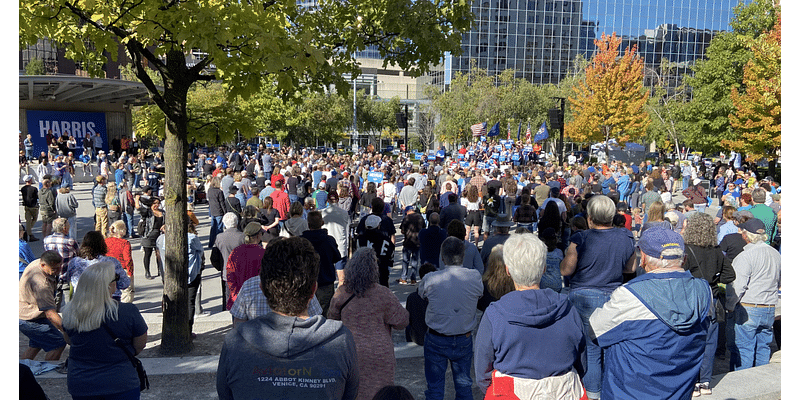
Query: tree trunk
[[175, 336]]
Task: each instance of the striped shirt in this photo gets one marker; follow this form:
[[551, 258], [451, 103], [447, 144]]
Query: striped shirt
[[251, 302]]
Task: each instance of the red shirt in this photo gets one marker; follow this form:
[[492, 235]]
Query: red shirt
[[121, 250], [243, 264], [280, 201]]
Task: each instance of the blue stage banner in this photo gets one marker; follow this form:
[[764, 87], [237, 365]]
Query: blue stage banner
[[376, 177], [79, 125]]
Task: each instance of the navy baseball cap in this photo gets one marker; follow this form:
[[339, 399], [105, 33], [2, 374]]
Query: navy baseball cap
[[655, 241], [753, 225]]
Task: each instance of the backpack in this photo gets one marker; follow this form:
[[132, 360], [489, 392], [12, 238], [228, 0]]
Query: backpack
[[301, 186]]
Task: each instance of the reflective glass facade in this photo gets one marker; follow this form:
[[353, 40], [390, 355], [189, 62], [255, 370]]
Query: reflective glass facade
[[539, 39]]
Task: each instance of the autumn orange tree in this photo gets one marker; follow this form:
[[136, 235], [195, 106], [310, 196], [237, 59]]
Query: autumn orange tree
[[757, 120], [610, 102]]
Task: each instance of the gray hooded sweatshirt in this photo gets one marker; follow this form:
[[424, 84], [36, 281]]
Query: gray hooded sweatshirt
[[280, 357]]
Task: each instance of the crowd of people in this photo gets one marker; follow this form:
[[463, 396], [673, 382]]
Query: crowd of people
[[555, 257]]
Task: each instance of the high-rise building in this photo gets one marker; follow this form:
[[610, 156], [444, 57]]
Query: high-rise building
[[539, 39]]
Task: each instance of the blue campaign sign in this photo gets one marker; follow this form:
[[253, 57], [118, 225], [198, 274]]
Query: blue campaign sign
[[440, 154], [515, 157], [79, 125], [276, 145], [508, 145], [503, 141], [471, 153], [431, 157], [417, 156], [460, 156], [464, 164], [376, 177], [502, 158], [483, 138], [498, 147], [495, 155], [481, 165]]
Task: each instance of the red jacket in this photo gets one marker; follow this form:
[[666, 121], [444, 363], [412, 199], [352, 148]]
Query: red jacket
[[280, 201]]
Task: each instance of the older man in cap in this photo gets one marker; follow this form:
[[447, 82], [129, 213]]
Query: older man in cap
[[753, 295], [657, 322], [30, 200]]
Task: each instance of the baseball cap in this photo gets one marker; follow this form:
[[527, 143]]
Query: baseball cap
[[372, 222], [252, 229], [321, 185], [743, 213], [27, 178], [753, 225], [655, 241]]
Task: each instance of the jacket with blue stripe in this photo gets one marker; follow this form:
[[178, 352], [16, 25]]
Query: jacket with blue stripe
[[653, 331]]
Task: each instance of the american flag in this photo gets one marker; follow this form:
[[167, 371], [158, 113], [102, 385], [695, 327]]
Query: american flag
[[509, 132], [478, 129], [528, 132]]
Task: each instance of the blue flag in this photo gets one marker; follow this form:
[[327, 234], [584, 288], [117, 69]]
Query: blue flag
[[541, 134], [519, 129], [495, 130]]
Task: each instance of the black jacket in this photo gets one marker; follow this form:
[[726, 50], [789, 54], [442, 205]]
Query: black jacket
[[328, 251], [454, 211], [710, 264], [216, 201]]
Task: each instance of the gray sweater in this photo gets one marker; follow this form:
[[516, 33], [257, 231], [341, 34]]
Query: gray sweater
[[66, 204], [281, 357]]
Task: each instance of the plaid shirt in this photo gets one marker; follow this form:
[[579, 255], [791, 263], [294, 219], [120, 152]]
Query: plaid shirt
[[251, 302], [66, 246]]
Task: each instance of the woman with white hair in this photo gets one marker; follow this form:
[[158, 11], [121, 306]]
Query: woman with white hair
[[92, 320], [531, 339], [370, 311]]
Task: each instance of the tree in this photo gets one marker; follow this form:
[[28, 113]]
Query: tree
[[610, 103], [757, 120], [664, 106], [35, 67], [242, 44], [707, 113]]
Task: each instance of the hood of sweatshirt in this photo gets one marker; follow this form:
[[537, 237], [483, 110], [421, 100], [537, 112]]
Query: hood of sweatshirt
[[282, 336], [534, 308], [676, 298]]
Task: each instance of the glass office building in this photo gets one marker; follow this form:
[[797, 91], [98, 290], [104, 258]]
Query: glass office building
[[540, 39]]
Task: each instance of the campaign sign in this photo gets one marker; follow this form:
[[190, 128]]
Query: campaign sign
[[515, 157], [498, 147], [440, 154], [502, 158], [431, 157], [503, 141], [471, 153], [417, 156], [464, 164], [508, 145], [276, 145], [496, 155], [79, 125], [460, 156], [481, 165], [376, 177]]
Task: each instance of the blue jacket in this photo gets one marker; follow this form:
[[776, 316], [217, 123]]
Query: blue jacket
[[530, 334], [653, 331]]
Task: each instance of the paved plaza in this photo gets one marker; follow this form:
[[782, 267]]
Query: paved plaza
[[193, 375]]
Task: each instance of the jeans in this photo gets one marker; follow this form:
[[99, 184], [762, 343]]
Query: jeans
[[292, 198], [707, 365], [73, 227], [66, 181], [136, 179], [216, 228], [128, 218], [585, 301], [753, 330], [410, 259], [438, 351], [193, 289], [686, 179]]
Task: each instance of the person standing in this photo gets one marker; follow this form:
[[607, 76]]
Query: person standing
[[452, 295], [325, 245], [97, 143], [30, 201], [258, 352], [28, 143], [337, 223], [765, 213], [47, 207], [120, 248], [226, 242], [595, 262], [752, 296], [216, 209], [430, 241], [370, 311], [100, 206], [657, 322], [244, 261], [154, 220], [411, 226], [93, 322]]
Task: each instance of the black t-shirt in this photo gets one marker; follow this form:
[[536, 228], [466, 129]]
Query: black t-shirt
[[495, 184], [30, 196], [380, 242], [291, 185], [208, 169]]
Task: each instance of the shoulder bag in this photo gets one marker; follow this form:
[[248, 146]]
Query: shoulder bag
[[144, 383]]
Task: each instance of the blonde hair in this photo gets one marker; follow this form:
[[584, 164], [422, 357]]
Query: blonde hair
[[118, 228], [91, 304], [112, 192]]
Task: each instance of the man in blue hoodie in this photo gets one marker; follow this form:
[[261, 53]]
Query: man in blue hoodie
[[657, 322]]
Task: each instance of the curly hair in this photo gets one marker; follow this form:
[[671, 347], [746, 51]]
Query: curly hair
[[289, 270], [700, 230], [361, 271], [92, 246]]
